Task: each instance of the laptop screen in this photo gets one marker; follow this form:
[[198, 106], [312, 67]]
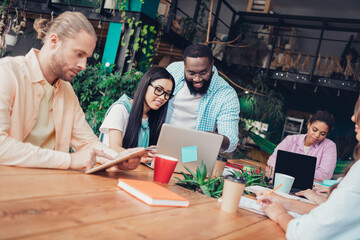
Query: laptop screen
[[301, 167]]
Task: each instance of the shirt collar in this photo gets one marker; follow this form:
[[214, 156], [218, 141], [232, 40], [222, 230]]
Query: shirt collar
[[301, 140], [34, 66], [214, 80]]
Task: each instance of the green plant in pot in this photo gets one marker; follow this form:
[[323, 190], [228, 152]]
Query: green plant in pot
[[213, 187], [252, 176], [198, 181]]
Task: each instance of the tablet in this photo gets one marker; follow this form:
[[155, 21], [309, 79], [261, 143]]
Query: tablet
[[120, 158]]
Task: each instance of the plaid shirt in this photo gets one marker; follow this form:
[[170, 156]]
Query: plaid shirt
[[219, 107]]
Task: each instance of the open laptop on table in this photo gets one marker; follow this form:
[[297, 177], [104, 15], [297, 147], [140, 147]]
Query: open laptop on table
[[189, 146], [301, 167]]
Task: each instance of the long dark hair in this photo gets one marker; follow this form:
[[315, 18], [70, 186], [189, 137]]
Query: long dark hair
[[156, 118]]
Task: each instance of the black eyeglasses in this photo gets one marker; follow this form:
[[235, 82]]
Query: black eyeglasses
[[158, 91], [202, 75]]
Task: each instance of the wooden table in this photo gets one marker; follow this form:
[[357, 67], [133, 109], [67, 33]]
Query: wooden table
[[64, 204]]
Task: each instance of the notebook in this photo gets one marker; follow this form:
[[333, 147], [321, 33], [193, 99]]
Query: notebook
[[253, 206], [189, 146], [257, 188], [152, 193], [301, 167]]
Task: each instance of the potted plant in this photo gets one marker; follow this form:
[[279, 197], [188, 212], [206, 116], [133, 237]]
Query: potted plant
[[199, 182], [252, 175], [213, 187]]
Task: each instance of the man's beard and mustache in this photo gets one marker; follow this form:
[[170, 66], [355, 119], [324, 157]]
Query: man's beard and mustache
[[59, 67], [203, 90]]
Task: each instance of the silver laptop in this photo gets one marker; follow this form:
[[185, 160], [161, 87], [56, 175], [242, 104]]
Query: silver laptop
[[188, 145]]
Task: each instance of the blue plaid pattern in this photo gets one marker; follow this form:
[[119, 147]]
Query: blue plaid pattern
[[219, 107]]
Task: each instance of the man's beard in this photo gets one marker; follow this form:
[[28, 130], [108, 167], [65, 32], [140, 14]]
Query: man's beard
[[202, 91], [58, 66]]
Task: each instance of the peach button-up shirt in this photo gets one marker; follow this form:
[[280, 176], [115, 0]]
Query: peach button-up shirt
[[20, 96]]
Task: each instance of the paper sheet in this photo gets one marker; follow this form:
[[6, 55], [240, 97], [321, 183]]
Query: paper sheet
[[253, 206], [255, 189]]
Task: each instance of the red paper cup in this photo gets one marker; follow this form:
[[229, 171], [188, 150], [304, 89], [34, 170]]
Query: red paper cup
[[164, 168]]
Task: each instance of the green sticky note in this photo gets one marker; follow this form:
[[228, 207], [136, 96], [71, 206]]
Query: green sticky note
[[189, 154]]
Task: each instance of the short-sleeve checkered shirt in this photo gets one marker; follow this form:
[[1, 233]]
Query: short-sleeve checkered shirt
[[219, 107]]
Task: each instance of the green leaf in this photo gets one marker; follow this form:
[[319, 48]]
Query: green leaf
[[131, 32], [252, 180], [137, 23], [96, 56], [205, 190], [190, 171]]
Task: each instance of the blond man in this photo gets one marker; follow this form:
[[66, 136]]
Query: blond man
[[40, 116]]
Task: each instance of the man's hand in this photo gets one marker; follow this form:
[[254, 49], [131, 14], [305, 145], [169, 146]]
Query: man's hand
[[225, 143], [150, 156], [130, 164], [86, 159]]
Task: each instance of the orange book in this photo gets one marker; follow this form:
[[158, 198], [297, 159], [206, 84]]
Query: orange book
[[152, 193]]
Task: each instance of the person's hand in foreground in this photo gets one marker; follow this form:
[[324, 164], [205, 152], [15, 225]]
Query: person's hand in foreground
[[261, 194], [312, 196], [150, 156], [86, 159], [293, 205], [131, 163], [275, 210]]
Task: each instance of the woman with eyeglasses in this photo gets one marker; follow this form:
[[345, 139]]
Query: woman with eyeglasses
[[137, 122]]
